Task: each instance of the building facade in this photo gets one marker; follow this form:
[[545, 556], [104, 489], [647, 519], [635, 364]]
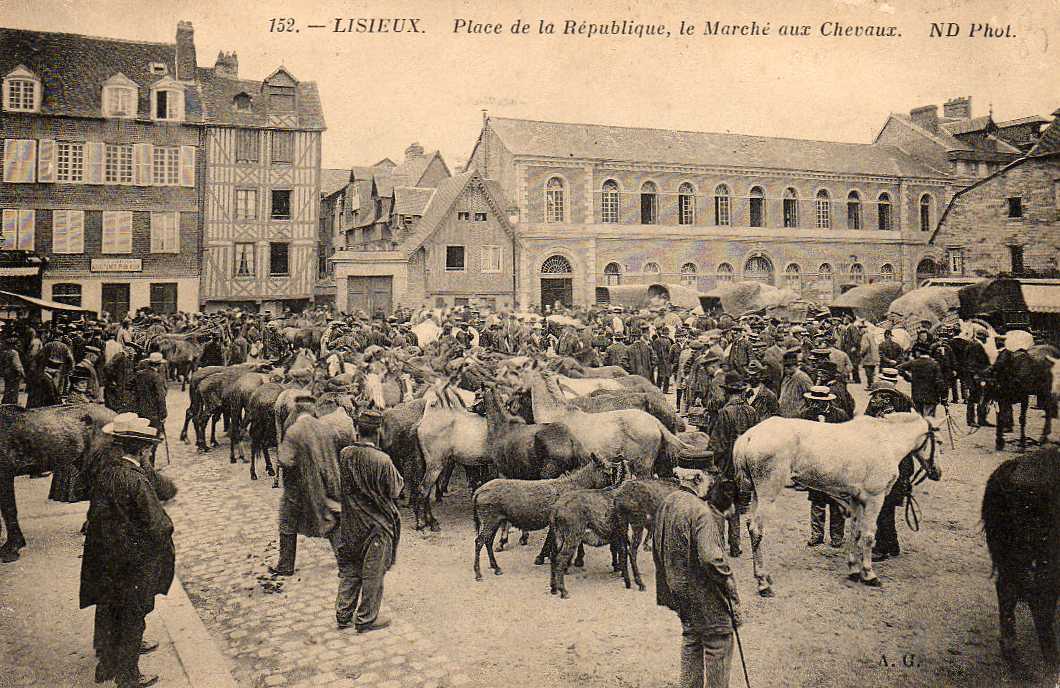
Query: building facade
[[261, 189], [600, 205], [1009, 222], [102, 170]]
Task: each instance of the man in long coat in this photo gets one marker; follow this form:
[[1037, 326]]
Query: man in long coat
[[365, 543], [641, 356], [662, 345], [129, 555], [117, 377], [46, 389], [734, 418], [796, 383], [149, 394], [617, 353], [694, 579], [11, 370]]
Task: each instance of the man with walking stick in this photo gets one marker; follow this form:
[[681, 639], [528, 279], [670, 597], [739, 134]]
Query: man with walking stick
[[693, 577]]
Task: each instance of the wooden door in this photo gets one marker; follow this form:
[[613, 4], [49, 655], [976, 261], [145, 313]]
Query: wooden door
[[557, 289], [115, 300]]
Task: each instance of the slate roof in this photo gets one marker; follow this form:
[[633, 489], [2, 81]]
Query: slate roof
[[411, 200], [218, 92], [967, 126], [629, 144], [411, 170], [441, 205], [332, 181], [72, 69], [1049, 141], [951, 143], [1033, 119]]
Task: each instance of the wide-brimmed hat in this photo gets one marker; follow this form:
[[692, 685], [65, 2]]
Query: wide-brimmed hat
[[369, 420], [93, 350], [819, 393], [129, 426], [156, 358], [55, 361], [819, 353], [755, 370], [733, 382], [711, 357], [889, 375], [792, 356]]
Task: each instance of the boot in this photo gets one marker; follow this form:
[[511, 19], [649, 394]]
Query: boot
[[817, 512], [288, 550]]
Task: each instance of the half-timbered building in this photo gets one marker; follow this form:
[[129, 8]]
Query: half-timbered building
[[262, 189]]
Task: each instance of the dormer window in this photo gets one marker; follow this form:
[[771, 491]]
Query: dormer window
[[167, 101], [119, 96], [280, 89], [157, 69], [22, 91], [241, 101]]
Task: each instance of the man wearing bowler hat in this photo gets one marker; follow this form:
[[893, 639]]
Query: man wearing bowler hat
[[149, 394], [734, 418]]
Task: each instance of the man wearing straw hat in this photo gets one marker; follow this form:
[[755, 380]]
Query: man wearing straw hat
[[129, 555], [819, 407], [692, 575]]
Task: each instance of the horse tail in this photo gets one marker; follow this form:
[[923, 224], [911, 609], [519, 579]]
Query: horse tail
[[670, 449]]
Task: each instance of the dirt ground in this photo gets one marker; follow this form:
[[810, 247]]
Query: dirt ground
[[933, 623]]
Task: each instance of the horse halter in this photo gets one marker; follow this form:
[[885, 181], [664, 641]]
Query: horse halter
[[927, 466]]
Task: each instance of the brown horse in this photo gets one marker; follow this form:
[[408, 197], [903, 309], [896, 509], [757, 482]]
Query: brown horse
[[1014, 378]]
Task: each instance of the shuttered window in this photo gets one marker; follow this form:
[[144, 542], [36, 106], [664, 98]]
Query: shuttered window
[[20, 161], [165, 232], [117, 231], [143, 158], [282, 147], [94, 163], [248, 145], [46, 161], [187, 166], [68, 231], [19, 229]]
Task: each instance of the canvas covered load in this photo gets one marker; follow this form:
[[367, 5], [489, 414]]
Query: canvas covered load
[[737, 298], [932, 304], [868, 301]]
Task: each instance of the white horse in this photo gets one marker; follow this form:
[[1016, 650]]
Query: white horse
[[856, 462]]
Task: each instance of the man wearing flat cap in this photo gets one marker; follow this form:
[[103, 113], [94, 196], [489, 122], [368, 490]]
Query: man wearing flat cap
[[129, 555]]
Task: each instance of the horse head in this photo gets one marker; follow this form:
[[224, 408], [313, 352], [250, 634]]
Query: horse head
[[928, 464]]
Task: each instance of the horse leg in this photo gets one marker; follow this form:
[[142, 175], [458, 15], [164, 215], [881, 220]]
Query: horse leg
[[756, 518], [184, 429], [1050, 410], [546, 549], [1008, 588], [443, 481], [620, 551], [487, 531], [524, 538], [579, 561], [504, 536], [213, 427], [649, 533], [1024, 403], [9, 512], [489, 551], [638, 533], [853, 555], [870, 512], [1043, 609], [233, 440], [562, 562], [253, 457], [430, 484]]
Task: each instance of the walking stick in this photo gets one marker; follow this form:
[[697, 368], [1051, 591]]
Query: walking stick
[[165, 437], [736, 632], [949, 426]]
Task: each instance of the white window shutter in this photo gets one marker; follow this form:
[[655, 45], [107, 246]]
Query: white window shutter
[[143, 160], [124, 239], [175, 105], [94, 159], [27, 226], [156, 232], [10, 230], [20, 161], [75, 231], [46, 161], [60, 231], [174, 233], [187, 166], [110, 222]]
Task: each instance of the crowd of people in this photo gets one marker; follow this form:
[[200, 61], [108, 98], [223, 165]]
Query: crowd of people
[[727, 375]]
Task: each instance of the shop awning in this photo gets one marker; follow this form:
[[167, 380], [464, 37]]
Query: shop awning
[[19, 271], [41, 303], [1041, 298]]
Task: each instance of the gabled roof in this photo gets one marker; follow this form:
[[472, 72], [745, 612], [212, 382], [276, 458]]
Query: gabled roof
[[1049, 141], [943, 138], [72, 69], [628, 144], [1033, 119], [411, 200], [441, 206], [218, 92], [332, 180], [411, 171]]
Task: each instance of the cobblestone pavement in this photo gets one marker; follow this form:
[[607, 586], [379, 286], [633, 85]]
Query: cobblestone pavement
[[278, 632]]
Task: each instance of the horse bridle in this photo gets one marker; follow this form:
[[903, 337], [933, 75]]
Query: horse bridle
[[923, 470]]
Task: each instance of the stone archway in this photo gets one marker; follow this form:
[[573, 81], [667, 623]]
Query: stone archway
[[759, 268], [927, 268], [557, 282]]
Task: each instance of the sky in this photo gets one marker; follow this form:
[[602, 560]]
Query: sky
[[381, 92]]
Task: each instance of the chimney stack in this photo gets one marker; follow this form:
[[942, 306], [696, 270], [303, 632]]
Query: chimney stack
[[414, 150], [227, 65], [186, 62], [926, 117], [958, 108]]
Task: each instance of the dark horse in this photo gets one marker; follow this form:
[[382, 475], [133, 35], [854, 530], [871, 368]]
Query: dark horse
[[1014, 378], [1021, 517]]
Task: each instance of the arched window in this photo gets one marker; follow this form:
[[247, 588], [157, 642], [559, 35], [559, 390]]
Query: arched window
[[556, 265], [167, 100], [792, 278], [887, 272], [649, 203], [926, 269], [857, 273], [70, 294], [554, 200], [756, 208], [724, 272], [686, 204], [883, 211], [791, 208], [651, 268], [609, 202], [241, 101], [759, 269], [824, 273], [853, 210], [688, 274], [823, 208], [925, 213], [722, 206], [612, 274]]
